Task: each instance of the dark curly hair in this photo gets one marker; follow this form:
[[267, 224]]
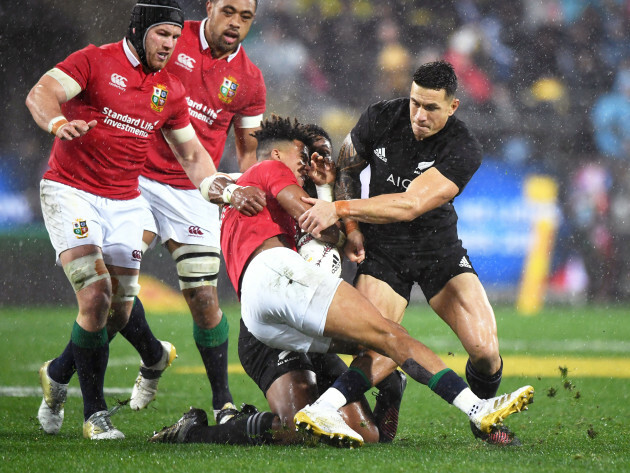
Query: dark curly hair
[[277, 129], [437, 75], [315, 131]]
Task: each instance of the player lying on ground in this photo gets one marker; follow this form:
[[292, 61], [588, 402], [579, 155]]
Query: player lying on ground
[[290, 304]]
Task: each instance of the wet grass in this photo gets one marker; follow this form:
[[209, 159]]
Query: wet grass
[[577, 424]]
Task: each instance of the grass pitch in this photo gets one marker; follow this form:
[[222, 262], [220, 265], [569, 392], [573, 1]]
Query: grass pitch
[[578, 360]]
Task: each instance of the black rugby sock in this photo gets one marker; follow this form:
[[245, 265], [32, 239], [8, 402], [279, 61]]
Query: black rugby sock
[[213, 348], [483, 386], [352, 384], [91, 352], [447, 384], [62, 368], [139, 334], [252, 430]]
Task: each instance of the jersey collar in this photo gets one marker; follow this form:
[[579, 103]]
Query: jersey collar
[[132, 59], [205, 45]]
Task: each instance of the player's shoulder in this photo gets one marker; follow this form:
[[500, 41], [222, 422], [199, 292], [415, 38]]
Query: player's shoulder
[[458, 135], [386, 113], [458, 128], [388, 108], [190, 33]]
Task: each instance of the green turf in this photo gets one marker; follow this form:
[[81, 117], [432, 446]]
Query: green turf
[[566, 432]]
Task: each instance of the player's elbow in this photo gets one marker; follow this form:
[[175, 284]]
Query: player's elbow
[[31, 100], [412, 209]]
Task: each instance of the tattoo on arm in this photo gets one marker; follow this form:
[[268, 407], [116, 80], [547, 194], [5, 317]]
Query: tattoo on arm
[[349, 167]]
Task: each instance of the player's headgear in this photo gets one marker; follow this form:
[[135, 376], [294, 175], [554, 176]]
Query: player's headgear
[[147, 14]]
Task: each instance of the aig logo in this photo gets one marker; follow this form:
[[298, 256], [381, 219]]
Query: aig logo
[[185, 61], [118, 81]]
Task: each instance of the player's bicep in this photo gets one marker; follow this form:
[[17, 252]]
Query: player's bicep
[[349, 166], [246, 146], [183, 141]]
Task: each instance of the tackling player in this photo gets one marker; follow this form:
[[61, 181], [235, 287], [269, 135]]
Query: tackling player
[[421, 157], [223, 88], [293, 305], [104, 105]]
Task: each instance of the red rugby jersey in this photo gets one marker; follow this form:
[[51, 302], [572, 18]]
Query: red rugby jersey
[[216, 89], [241, 235], [130, 107]]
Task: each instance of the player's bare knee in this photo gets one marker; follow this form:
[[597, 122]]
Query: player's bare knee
[[197, 266], [486, 360]]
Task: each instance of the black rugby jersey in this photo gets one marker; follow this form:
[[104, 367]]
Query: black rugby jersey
[[384, 138]]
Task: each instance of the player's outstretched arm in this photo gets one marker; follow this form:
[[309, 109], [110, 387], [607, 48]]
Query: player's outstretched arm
[[190, 153], [426, 192], [44, 102]]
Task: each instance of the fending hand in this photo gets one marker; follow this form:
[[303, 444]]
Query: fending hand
[[248, 200]]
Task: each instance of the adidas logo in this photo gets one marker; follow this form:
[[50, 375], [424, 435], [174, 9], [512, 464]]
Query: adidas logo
[[464, 263], [380, 154]]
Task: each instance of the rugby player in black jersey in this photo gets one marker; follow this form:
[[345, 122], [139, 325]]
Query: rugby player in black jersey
[[420, 157]]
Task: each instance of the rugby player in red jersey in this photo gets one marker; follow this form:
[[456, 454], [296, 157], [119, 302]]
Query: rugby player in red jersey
[[290, 304], [105, 105], [223, 89]]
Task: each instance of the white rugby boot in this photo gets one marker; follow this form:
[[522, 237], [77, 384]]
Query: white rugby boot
[[51, 410], [145, 387]]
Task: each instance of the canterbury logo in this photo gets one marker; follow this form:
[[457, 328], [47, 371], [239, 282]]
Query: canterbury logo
[[192, 230], [424, 165], [118, 81], [186, 61], [464, 263], [380, 154], [136, 255]]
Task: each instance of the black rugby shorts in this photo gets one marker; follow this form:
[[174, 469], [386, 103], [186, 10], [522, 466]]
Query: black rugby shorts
[[264, 364], [401, 268]]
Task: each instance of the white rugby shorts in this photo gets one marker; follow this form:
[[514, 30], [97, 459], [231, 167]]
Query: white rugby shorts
[[75, 218], [285, 301], [181, 215]]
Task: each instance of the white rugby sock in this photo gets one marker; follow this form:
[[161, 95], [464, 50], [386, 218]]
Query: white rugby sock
[[467, 402], [332, 398]]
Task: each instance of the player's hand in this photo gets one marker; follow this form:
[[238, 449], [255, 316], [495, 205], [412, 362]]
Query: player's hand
[[74, 129], [322, 170], [354, 249], [319, 217], [248, 200]]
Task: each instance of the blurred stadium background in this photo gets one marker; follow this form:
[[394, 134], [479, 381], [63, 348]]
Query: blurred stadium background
[[545, 84]]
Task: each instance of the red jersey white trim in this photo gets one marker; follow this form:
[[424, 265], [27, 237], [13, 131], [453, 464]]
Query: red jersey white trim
[[217, 90], [129, 106], [241, 235]]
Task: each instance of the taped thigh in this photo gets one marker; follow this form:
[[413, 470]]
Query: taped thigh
[[197, 265], [125, 287], [85, 270]]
